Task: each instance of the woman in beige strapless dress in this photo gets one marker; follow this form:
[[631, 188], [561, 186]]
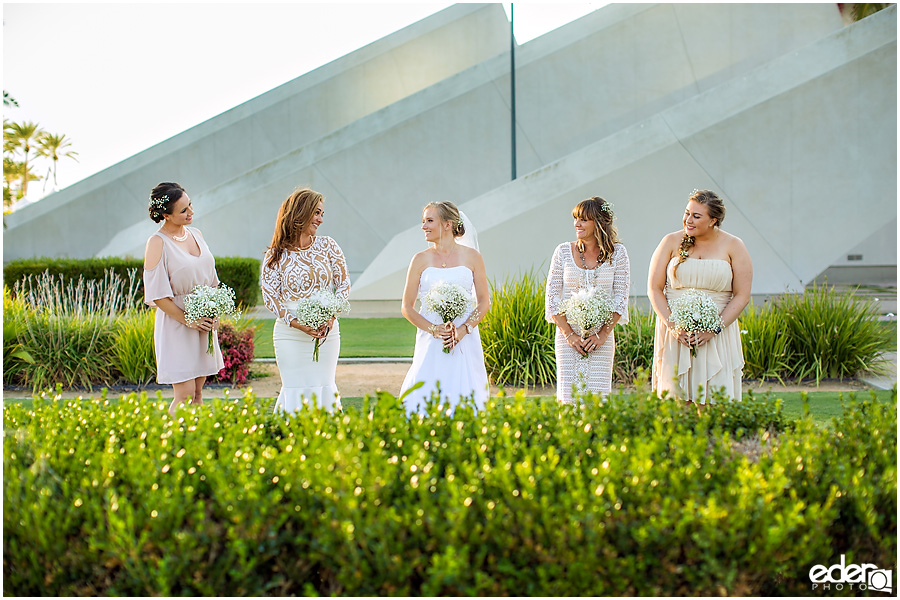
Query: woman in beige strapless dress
[[703, 257]]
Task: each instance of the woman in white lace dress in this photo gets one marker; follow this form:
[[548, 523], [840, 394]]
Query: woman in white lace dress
[[461, 372], [296, 265], [584, 360]]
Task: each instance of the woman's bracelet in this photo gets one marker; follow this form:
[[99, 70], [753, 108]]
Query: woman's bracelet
[[570, 335], [431, 329]]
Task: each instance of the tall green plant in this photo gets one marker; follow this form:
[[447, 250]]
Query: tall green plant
[[634, 345], [766, 342], [834, 335], [15, 356], [517, 339], [133, 346]]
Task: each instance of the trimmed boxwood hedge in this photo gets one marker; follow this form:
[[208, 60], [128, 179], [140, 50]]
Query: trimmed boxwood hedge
[[239, 273], [635, 496]]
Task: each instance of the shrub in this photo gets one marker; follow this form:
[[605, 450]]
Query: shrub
[[239, 273], [516, 338], [636, 496], [634, 345], [766, 342], [236, 343], [133, 346], [15, 356], [833, 334]]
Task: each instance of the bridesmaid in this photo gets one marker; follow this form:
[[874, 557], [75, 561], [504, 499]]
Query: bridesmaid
[[704, 257], [297, 264], [175, 260], [595, 259]]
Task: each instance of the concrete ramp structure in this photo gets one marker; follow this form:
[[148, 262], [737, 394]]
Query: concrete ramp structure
[[783, 110]]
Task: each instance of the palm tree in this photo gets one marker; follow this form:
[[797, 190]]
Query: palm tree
[[23, 135], [54, 147], [13, 173], [9, 100]]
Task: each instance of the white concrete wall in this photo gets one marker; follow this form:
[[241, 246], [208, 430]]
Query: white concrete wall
[[254, 133], [791, 146]]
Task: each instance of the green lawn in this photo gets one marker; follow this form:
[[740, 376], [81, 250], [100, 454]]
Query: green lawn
[[359, 338]]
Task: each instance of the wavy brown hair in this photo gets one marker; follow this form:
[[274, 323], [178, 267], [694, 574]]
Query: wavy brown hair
[[294, 216], [599, 211], [716, 209]]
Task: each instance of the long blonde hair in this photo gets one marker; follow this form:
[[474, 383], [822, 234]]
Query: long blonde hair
[[294, 216], [599, 211]]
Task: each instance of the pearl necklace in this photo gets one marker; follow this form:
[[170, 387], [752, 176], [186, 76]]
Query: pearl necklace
[[181, 238]]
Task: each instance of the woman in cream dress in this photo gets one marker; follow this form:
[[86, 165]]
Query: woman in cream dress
[[296, 265], [460, 373], [175, 260], [700, 256]]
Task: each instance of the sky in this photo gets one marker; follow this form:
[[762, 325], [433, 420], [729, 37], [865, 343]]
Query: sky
[[119, 78]]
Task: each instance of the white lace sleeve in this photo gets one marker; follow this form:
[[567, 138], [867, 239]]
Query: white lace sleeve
[[621, 283], [339, 275], [271, 287], [553, 294]]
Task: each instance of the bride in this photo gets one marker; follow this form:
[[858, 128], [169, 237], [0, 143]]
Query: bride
[[456, 260]]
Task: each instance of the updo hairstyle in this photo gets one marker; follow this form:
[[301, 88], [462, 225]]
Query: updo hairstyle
[[599, 211], [716, 209], [447, 211], [163, 196]]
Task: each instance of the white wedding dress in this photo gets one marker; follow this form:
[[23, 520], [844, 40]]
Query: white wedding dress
[[458, 374]]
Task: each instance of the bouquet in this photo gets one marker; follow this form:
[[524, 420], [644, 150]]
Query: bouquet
[[589, 309], [317, 310], [694, 310], [449, 300], [206, 301]]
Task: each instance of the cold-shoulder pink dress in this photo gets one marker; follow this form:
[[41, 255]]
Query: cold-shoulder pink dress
[[181, 351]]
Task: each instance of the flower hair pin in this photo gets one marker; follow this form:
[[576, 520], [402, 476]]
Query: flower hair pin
[[606, 207], [159, 203]]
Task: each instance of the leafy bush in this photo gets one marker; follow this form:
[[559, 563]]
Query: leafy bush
[[833, 334], [133, 346], [634, 345], [15, 356], [766, 342], [239, 273], [516, 338], [635, 496], [236, 343]]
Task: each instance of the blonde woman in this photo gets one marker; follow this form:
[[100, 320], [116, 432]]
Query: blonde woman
[[461, 372], [584, 360], [700, 256], [297, 264]]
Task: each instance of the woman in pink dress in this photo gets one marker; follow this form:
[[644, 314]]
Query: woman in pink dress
[[175, 260]]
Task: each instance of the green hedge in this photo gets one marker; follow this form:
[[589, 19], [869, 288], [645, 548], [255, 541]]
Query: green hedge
[[239, 273], [637, 496]]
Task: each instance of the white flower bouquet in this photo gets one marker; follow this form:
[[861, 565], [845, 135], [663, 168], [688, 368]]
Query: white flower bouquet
[[449, 300], [317, 310], [210, 302], [589, 309], [694, 310]]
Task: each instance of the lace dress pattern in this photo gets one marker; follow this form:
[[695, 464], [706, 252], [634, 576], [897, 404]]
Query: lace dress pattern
[[565, 277]]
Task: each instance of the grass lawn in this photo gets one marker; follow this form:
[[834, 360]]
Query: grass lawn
[[823, 406], [359, 338]]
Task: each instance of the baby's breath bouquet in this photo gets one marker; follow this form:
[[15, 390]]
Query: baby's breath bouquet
[[694, 310], [449, 300], [206, 301], [589, 309], [317, 310]]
